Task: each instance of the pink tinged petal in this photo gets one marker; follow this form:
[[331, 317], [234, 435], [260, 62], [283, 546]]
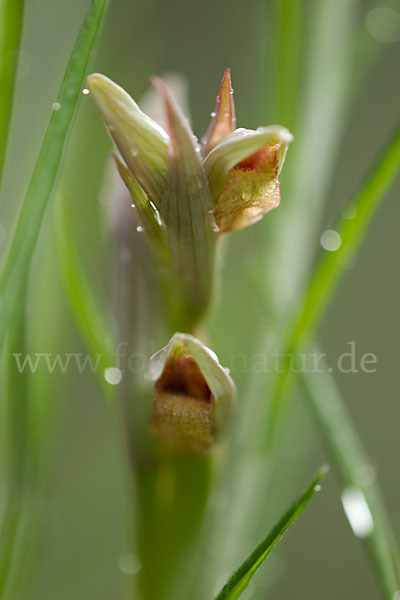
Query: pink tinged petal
[[224, 120], [239, 145], [243, 174], [141, 142]]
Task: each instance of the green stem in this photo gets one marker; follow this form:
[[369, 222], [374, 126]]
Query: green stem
[[11, 18], [354, 470]]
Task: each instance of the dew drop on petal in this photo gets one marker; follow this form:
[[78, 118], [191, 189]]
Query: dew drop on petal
[[139, 229], [113, 375], [357, 512], [330, 240], [129, 564], [85, 91], [55, 106], [213, 114]]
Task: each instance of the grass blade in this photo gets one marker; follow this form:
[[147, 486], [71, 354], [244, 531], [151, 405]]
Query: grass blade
[[354, 470], [94, 326], [241, 577], [11, 17], [287, 68], [329, 269], [45, 172]]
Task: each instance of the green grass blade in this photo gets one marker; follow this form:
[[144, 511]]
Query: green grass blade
[[11, 17], [45, 172], [287, 37], [241, 577], [355, 473], [94, 326], [352, 232], [16, 416], [330, 266]]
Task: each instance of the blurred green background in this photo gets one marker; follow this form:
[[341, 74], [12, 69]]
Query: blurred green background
[[83, 536]]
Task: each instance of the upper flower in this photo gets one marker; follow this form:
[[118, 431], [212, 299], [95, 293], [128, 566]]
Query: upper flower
[[186, 193], [241, 165]]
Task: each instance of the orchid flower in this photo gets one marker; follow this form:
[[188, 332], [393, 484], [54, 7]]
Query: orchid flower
[[187, 194]]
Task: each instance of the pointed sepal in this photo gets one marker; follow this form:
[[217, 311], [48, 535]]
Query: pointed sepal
[[224, 120], [187, 211], [142, 143], [193, 396]]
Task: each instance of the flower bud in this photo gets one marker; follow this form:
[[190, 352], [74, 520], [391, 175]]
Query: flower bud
[[193, 396]]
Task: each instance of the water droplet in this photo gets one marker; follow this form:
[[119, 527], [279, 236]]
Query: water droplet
[[139, 229], [330, 240], [129, 564], [317, 488], [56, 106], [156, 213], [350, 211], [213, 114], [383, 23], [85, 91], [132, 205], [357, 512], [113, 375], [231, 92]]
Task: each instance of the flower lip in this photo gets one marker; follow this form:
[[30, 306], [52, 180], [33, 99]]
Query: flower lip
[[262, 159], [182, 377], [193, 396]]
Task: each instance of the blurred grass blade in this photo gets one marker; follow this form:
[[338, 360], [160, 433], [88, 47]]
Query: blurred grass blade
[[45, 172], [287, 67], [241, 577], [89, 317], [11, 17], [15, 441], [355, 473], [331, 265]]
